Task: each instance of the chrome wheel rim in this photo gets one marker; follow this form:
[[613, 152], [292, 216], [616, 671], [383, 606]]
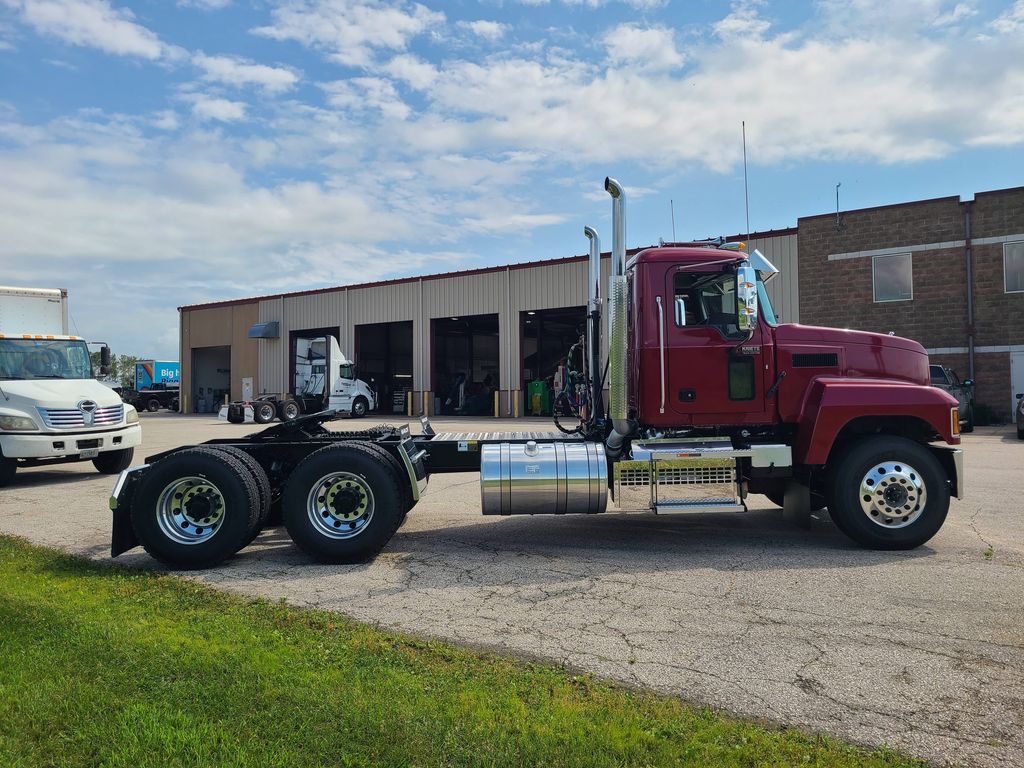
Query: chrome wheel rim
[[190, 510], [340, 505], [893, 494], [359, 409]]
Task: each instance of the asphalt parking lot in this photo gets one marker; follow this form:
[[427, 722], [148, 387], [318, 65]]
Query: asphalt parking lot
[[920, 650]]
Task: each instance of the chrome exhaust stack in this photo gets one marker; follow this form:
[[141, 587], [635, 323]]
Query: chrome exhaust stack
[[618, 374], [594, 322]]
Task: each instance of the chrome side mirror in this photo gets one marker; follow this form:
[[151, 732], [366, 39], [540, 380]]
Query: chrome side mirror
[[746, 297], [680, 307]]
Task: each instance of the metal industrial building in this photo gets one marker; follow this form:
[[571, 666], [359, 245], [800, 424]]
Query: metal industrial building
[[501, 327]]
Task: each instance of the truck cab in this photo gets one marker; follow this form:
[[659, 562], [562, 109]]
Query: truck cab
[[53, 410]]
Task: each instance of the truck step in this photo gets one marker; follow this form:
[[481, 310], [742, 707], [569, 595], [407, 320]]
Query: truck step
[[503, 437]]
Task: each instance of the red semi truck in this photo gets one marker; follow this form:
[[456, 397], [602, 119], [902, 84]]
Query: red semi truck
[[710, 399]]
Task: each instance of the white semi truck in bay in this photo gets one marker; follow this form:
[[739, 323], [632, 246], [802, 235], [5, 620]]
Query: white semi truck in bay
[[52, 408]]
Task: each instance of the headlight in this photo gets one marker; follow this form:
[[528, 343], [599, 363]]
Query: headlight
[[131, 416], [17, 424]]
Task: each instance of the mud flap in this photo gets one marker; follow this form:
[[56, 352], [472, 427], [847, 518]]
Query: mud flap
[[122, 535], [796, 504]]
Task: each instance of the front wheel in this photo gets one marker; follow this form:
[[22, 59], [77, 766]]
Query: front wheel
[[112, 462], [8, 467], [888, 493], [359, 407]]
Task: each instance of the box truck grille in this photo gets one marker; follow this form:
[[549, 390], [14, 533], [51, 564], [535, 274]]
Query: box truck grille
[[68, 418]]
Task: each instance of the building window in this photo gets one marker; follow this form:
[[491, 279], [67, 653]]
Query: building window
[[1013, 267], [893, 277]]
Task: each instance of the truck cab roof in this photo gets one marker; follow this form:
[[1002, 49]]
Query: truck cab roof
[[693, 255]]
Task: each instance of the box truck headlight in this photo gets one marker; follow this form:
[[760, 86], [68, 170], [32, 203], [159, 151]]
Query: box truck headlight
[[17, 424], [131, 416]]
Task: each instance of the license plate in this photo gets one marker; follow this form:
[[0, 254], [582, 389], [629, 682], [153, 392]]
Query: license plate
[[89, 453]]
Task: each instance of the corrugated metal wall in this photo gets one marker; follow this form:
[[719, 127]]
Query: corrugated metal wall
[[783, 289], [506, 292]]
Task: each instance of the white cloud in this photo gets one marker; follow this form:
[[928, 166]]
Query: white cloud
[[95, 24], [413, 71], [632, 45], [958, 13], [367, 93], [350, 31], [488, 30], [206, 5], [1012, 20], [231, 70], [212, 108]]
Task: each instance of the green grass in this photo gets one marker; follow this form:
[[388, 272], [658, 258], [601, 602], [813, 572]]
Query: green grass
[[101, 666]]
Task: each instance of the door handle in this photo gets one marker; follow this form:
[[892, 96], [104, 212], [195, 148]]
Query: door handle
[[661, 347]]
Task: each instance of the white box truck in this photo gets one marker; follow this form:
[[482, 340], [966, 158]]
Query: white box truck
[[52, 408]]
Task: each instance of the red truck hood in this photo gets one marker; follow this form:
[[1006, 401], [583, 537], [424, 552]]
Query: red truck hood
[[863, 354]]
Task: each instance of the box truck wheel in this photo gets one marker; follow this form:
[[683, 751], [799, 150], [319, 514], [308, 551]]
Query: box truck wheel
[[7, 469], [342, 504], [359, 407], [888, 492], [195, 508], [113, 462], [263, 412]]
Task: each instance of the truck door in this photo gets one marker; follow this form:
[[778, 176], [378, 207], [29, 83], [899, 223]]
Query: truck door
[[715, 373]]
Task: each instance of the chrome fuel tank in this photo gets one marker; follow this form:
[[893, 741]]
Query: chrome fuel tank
[[543, 478]]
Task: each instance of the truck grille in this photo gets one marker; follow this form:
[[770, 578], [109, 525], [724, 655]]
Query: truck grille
[[69, 418]]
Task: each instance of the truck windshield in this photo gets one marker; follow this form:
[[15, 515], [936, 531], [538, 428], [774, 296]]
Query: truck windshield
[[767, 310], [44, 359]]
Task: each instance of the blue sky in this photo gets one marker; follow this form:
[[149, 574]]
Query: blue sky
[[159, 153]]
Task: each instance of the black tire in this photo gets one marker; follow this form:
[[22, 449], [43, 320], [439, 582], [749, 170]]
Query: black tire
[[364, 465], [241, 507], [152, 405], [113, 462], [259, 476], [359, 407], [398, 471], [854, 471], [1020, 433], [263, 412], [8, 468], [289, 410], [968, 425], [818, 502], [175, 405]]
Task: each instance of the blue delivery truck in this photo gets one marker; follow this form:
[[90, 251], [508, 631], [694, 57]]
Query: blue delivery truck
[[157, 385]]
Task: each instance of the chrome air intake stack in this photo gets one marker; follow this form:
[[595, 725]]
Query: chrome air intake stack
[[618, 324], [594, 322]]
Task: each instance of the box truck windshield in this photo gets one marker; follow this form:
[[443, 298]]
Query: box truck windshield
[[23, 359]]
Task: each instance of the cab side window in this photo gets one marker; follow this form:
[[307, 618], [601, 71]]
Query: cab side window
[[710, 300]]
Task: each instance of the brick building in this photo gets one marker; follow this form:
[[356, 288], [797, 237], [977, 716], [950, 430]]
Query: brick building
[[946, 272]]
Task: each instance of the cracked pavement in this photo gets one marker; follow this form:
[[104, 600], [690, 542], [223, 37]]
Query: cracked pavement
[[921, 650]]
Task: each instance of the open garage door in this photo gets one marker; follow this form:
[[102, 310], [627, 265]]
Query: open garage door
[[211, 378], [383, 355], [465, 364], [547, 335]]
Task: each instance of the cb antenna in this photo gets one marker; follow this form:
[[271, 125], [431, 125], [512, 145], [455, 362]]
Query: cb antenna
[[746, 196], [672, 209]]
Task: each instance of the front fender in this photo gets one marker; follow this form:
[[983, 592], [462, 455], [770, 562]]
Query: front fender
[[831, 404]]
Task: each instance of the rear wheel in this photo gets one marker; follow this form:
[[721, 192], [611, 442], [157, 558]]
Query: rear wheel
[[112, 462], [152, 405], [195, 508], [8, 468], [263, 412], [259, 476], [342, 504], [888, 492], [968, 425], [288, 410]]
